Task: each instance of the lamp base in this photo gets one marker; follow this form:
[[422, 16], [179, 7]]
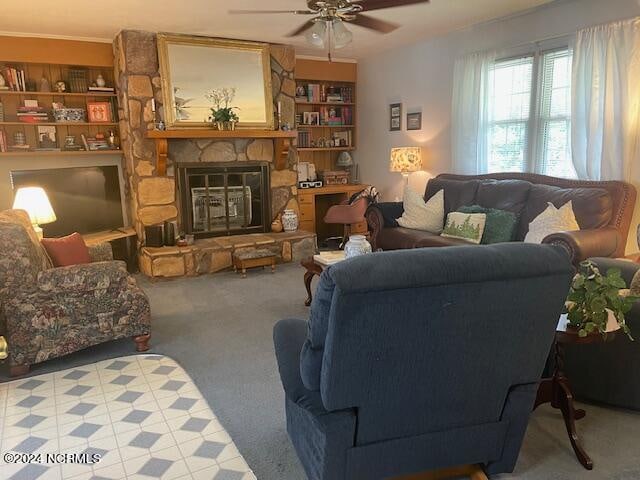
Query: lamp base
[[38, 230]]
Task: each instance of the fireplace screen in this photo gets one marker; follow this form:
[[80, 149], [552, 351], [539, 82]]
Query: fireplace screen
[[225, 200]]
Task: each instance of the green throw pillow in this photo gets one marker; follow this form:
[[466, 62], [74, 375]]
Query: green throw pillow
[[500, 227]]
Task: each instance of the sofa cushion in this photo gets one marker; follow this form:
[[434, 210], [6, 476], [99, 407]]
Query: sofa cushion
[[66, 251], [593, 207], [420, 215], [552, 220], [465, 226], [509, 195], [500, 227], [402, 238], [456, 193]]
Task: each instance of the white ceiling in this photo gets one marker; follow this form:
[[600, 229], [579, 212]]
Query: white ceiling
[[101, 20]]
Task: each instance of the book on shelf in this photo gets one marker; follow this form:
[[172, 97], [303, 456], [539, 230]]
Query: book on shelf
[[14, 79], [3, 141], [304, 139]]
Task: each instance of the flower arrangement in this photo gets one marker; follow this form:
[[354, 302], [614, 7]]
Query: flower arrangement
[[222, 113], [594, 298]]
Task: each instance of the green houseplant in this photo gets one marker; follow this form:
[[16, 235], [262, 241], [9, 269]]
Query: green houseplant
[[595, 298], [222, 114]]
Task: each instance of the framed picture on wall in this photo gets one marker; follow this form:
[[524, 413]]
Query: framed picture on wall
[[414, 121], [395, 117]]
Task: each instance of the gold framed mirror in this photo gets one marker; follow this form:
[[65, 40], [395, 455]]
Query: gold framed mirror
[[191, 67]]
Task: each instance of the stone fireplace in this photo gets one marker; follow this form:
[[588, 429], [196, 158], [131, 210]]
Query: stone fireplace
[[153, 165]]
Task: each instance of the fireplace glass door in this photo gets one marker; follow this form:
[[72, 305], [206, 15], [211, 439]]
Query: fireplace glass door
[[225, 200]]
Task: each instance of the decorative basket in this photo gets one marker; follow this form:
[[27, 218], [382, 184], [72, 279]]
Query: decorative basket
[[69, 115]]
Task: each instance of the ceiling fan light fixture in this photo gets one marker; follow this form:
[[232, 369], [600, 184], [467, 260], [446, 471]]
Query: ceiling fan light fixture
[[341, 34], [316, 35]]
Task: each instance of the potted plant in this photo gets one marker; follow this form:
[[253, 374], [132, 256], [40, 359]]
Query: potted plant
[[598, 303], [222, 114]]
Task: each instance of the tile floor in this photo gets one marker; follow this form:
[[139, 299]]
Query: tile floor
[[142, 415]]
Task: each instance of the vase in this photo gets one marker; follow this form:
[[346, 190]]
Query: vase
[[290, 221], [226, 126], [276, 226], [356, 246]]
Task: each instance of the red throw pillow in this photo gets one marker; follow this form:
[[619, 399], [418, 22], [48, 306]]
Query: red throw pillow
[[65, 251]]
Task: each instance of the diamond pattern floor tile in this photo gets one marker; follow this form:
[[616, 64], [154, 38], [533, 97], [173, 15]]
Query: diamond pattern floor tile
[[142, 415]]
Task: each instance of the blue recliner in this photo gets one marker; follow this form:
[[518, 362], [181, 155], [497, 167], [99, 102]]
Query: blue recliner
[[417, 360]]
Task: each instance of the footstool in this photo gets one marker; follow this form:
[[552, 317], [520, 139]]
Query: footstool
[[252, 259]]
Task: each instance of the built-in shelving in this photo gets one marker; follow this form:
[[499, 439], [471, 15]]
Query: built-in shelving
[[325, 149], [330, 79], [12, 100], [327, 104], [60, 124], [64, 153], [10, 93]]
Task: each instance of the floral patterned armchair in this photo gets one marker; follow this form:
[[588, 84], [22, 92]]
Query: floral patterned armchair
[[48, 312]]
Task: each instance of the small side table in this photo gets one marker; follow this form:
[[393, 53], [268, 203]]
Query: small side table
[[315, 266], [557, 390]]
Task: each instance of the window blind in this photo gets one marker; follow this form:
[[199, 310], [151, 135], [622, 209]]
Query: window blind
[[554, 134], [510, 83]]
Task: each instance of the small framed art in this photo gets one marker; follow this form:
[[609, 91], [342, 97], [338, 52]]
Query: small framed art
[[99, 112], [395, 117], [414, 121]]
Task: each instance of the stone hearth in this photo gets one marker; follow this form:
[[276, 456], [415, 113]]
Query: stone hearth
[[215, 254]]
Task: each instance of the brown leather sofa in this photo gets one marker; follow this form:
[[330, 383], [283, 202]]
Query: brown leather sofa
[[603, 211]]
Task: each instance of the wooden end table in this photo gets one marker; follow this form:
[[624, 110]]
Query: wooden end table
[[556, 389], [315, 266]]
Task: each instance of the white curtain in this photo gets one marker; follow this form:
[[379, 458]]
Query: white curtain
[[469, 113], [606, 101]]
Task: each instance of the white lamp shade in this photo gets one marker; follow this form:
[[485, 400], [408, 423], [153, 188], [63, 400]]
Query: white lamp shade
[[406, 159], [36, 203], [316, 34]]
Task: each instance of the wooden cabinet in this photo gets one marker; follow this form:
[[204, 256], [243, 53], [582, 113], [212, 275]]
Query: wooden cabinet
[[314, 203]]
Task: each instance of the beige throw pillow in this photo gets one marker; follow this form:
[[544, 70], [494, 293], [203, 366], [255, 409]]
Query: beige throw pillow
[[552, 220], [465, 226], [419, 215]]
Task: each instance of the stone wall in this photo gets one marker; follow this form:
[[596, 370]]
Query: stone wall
[[152, 199]]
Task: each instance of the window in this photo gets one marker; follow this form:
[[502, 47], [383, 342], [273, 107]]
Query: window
[[529, 115]]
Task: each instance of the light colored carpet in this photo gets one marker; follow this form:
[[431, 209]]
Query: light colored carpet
[[134, 417], [219, 329]]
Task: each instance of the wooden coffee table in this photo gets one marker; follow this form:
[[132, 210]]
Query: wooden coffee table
[[315, 266], [556, 389]]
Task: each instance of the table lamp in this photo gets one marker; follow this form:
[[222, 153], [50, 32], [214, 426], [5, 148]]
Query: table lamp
[[36, 203], [406, 160]]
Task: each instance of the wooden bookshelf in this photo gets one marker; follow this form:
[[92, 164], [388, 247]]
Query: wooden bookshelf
[[327, 75], [11, 100]]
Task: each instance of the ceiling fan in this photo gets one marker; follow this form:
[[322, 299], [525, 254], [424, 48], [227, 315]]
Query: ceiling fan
[[327, 27]]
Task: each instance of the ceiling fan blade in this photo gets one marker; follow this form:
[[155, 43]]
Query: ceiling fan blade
[[369, 5], [303, 28], [261, 12], [374, 24]]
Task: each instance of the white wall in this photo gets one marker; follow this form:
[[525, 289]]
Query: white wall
[[420, 76]]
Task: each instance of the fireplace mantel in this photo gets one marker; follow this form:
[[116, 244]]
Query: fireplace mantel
[[281, 139]]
